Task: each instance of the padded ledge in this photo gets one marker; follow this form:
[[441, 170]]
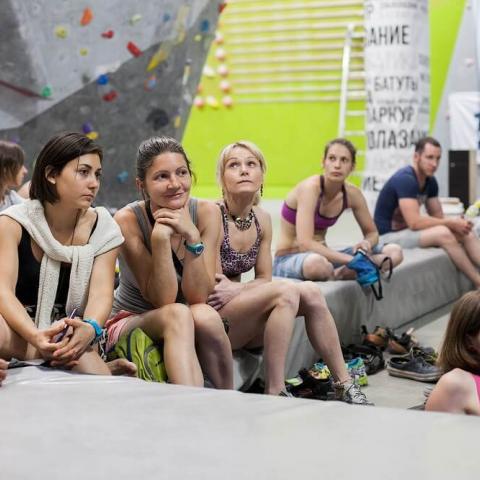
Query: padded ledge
[[61, 426], [425, 281]]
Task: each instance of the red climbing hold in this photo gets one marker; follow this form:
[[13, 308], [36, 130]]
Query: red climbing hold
[[133, 49], [110, 96], [108, 34]]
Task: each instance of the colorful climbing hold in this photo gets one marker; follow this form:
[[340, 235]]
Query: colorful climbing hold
[[108, 34], [199, 102], [61, 31], [222, 70], [225, 86], [204, 26], [177, 121], [110, 96], [87, 127], [221, 7], [208, 71], [218, 38], [133, 49], [83, 52], [227, 101], [46, 91], [166, 17], [87, 17], [122, 177], [186, 72], [150, 82], [220, 54], [158, 57], [103, 79], [197, 37], [213, 102], [92, 135], [135, 19]]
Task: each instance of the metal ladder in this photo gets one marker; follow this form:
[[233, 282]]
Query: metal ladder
[[349, 95]]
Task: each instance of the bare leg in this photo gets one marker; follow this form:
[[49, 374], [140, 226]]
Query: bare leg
[[13, 345], [391, 250], [471, 243], [91, 362], [269, 309], [213, 347], [321, 329], [3, 370], [174, 325], [442, 237], [317, 267]]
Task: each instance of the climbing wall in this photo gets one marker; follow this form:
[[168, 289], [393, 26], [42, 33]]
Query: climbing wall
[[118, 70]]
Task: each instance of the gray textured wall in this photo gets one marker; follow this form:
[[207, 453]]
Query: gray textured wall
[[32, 56]]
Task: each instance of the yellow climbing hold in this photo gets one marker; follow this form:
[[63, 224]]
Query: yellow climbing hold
[[92, 135], [61, 31], [83, 52], [135, 19], [177, 121], [157, 58]]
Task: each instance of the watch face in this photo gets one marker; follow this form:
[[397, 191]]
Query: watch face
[[196, 249]]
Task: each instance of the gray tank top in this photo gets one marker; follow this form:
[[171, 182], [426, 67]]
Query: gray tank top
[[128, 296]]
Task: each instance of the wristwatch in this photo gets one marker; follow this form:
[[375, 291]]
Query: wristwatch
[[196, 248], [98, 329]]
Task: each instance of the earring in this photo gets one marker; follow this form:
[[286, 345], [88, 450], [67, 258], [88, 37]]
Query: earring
[[261, 190], [51, 181]]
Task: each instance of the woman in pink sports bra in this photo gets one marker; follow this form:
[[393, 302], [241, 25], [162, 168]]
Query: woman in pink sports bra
[[302, 251], [458, 391], [261, 312]]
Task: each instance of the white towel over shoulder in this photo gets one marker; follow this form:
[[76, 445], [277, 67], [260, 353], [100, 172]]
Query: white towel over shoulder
[[107, 235]]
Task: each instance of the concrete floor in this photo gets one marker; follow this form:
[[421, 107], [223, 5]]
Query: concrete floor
[[383, 390]]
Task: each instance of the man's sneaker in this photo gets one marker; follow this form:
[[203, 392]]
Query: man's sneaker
[[413, 367], [350, 393], [428, 353], [356, 369]]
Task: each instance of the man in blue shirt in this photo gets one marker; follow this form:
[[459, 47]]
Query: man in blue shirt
[[398, 217]]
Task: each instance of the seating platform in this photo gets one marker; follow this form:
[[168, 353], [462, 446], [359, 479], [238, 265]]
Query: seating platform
[[425, 281], [59, 425]]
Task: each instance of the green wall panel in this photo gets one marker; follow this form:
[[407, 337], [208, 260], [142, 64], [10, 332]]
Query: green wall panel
[[292, 135]]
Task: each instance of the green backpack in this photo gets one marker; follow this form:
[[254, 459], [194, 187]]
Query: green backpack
[[137, 347]]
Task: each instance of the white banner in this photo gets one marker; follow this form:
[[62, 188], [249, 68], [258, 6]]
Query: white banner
[[464, 109], [397, 79]]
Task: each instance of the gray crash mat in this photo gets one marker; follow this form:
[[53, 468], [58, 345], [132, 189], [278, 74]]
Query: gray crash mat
[[58, 425]]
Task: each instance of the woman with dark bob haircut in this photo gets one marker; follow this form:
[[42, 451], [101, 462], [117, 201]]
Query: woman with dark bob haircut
[[12, 172], [167, 269], [57, 262], [458, 391]]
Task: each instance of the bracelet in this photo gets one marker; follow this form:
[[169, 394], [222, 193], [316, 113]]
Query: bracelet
[[96, 327]]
